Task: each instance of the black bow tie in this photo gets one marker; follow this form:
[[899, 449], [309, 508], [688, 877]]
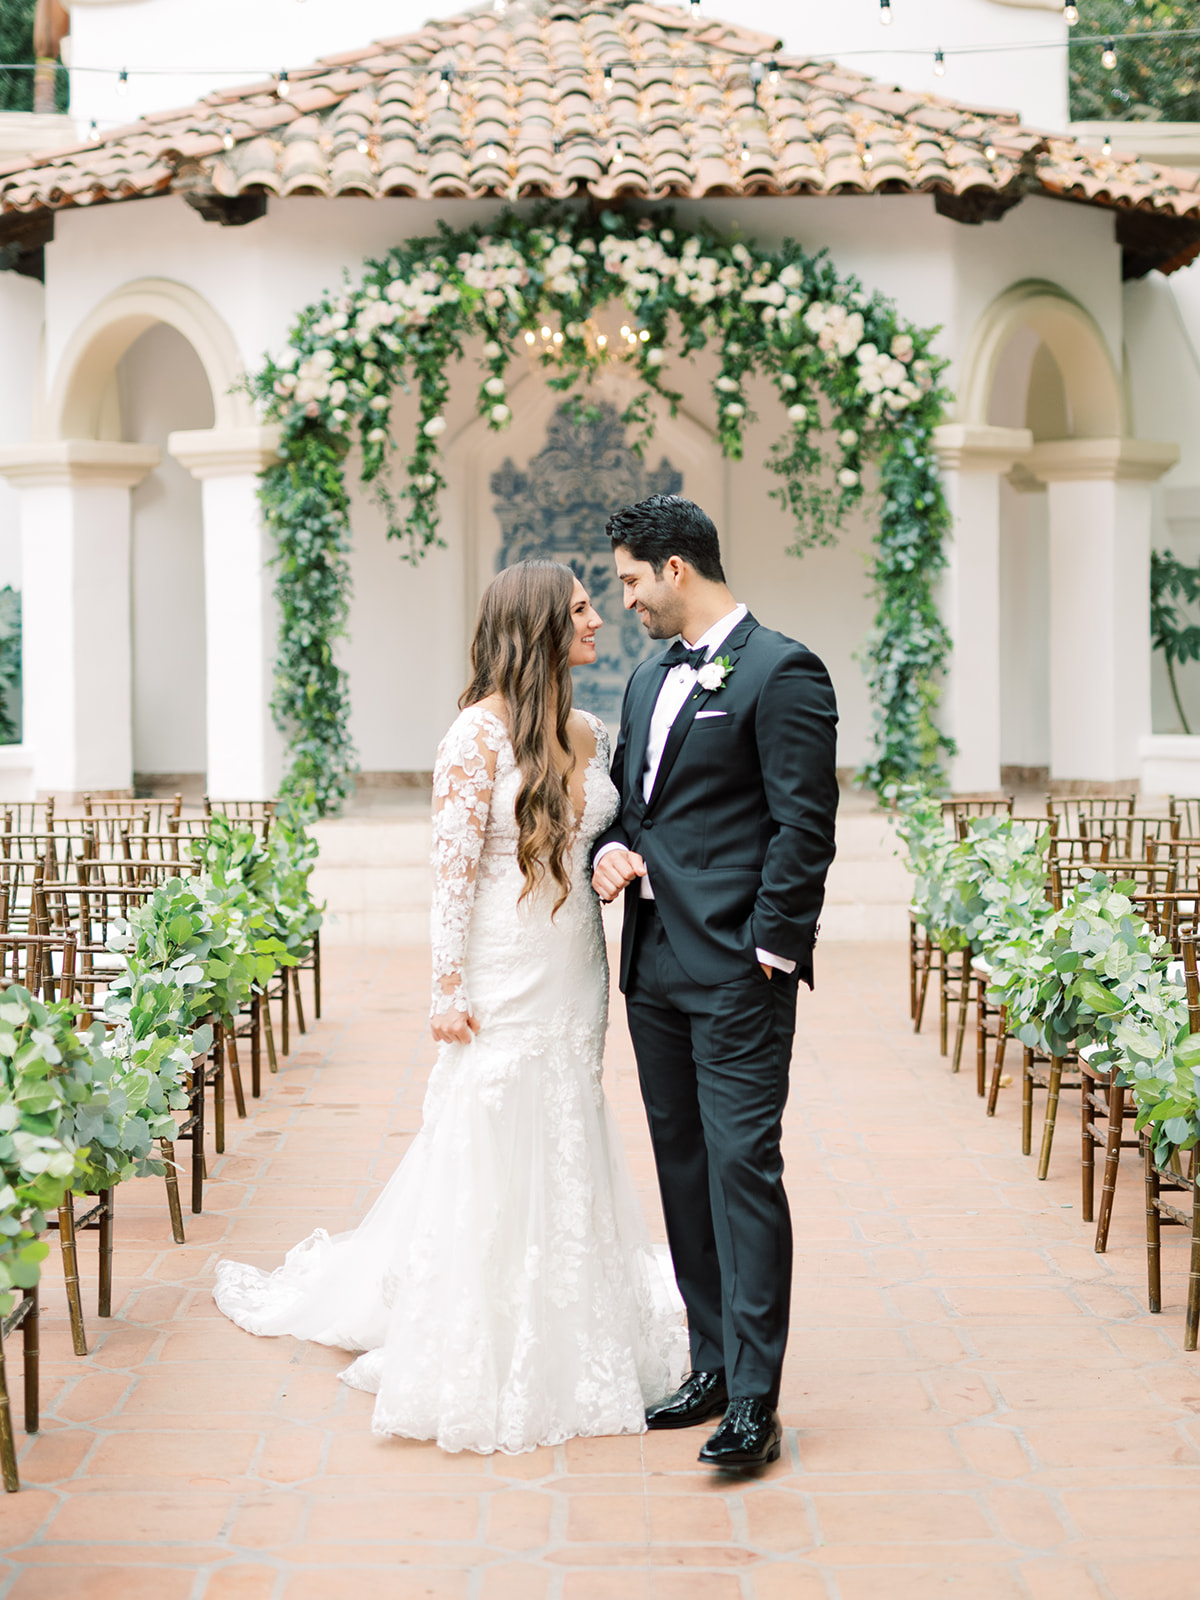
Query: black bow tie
[[680, 656]]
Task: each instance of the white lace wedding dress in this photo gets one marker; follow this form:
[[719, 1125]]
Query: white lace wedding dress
[[503, 1287]]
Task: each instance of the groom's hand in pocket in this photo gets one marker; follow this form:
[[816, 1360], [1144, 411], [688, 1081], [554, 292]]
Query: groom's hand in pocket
[[453, 1027], [614, 871]]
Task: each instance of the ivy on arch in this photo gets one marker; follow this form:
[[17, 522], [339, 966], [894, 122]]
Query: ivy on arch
[[856, 383]]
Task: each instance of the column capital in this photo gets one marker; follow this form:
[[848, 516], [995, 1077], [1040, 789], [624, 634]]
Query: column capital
[[1103, 460], [225, 452], [77, 463], [978, 447]]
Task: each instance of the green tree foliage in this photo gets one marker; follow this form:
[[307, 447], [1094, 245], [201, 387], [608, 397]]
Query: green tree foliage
[[1170, 631], [1154, 79]]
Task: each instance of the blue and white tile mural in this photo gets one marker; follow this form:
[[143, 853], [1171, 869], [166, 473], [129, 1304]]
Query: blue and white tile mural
[[557, 506]]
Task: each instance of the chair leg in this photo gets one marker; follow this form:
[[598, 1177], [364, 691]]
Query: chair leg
[[172, 1181], [70, 1255], [256, 1047], [1192, 1325], [943, 1005], [981, 1036], [317, 978], [998, 1067], [1112, 1164], [1153, 1230], [1087, 1153], [218, 1095], [912, 971], [8, 1445], [299, 1002], [1056, 1071], [926, 969], [269, 1032], [235, 1069], [284, 1008], [964, 1003], [199, 1072], [104, 1302], [1027, 1103], [32, 1355]]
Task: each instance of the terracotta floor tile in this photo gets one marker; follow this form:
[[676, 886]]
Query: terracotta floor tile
[[971, 1394]]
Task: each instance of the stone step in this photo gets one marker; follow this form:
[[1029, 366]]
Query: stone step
[[373, 875]]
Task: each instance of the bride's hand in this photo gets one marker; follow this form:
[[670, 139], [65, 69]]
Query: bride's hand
[[453, 1027]]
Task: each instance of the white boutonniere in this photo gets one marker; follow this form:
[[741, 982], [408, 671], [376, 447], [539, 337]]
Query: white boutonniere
[[712, 675]]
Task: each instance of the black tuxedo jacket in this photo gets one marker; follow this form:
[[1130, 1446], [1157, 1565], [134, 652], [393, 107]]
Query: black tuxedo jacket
[[738, 833]]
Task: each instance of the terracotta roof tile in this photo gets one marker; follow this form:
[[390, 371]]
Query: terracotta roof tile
[[529, 111]]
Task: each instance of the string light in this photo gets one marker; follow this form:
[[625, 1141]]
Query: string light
[[283, 88], [939, 64], [772, 72], [491, 153], [499, 7], [1070, 15], [867, 157], [619, 155], [227, 138], [93, 128], [601, 340], [1108, 56], [745, 152], [530, 336], [608, 81], [1107, 147], [363, 147], [625, 330], [558, 338], [885, 12], [695, 8], [545, 333], [989, 152], [446, 79], [123, 81], [644, 336]]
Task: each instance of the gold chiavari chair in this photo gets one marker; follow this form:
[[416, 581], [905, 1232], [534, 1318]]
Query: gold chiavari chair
[[247, 813], [1187, 809], [1072, 810], [992, 1021], [1132, 838], [29, 816], [151, 813]]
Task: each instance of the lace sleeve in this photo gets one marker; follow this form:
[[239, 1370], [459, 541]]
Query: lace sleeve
[[603, 756], [462, 797]]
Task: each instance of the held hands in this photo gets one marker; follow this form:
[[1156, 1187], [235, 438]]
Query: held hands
[[453, 1027], [615, 871]]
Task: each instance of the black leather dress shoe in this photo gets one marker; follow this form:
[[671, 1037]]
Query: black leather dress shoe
[[701, 1397], [750, 1436]]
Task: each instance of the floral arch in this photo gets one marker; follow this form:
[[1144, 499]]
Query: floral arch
[[855, 384]]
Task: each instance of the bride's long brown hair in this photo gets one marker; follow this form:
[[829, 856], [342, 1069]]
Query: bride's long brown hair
[[521, 651]]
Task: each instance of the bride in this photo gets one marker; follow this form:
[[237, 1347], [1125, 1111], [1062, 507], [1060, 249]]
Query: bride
[[502, 1288]]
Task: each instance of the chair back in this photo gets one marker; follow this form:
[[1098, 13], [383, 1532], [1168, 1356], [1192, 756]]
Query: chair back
[[1072, 809]]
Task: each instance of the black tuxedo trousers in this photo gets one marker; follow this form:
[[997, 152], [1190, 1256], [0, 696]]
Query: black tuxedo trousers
[[737, 834]]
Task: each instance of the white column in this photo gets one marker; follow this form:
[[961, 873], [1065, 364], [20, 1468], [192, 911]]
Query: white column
[[77, 656], [973, 457], [1099, 494], [244, 748]]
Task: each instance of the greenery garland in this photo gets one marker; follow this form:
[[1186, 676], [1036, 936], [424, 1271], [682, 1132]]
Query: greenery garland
[[856, 382]]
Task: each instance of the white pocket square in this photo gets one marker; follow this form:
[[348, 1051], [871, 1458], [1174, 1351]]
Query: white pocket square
[[700, 714]]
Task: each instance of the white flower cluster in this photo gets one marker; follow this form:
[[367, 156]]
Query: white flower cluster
[[498, 269], [883, 375], [418, 299], [311, 381], [838, 331]]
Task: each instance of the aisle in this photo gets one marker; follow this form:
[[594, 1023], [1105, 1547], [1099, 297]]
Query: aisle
[[977, 1405]]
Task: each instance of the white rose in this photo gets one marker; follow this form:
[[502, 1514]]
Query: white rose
[[733, 409], [376, 436], [848, 438], [667, 236], [494, 387], [492, 351], [902, 347], [711, 676], [434, 426], [500, 413], [323, 358], [847, 478], [287, 360], [654, 358], [425, 482], [727, 385], [337, 393], [339, 416], [797, 413], [787, 381], [379, 402], [769, 314]]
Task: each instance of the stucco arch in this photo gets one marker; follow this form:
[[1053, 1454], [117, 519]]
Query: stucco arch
[[77, 393], [1093, 385]]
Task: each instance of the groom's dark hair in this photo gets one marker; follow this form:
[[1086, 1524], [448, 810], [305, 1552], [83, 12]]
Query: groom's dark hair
[[667, 525]]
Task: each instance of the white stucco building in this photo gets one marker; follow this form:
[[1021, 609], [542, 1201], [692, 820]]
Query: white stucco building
[[176, 251]]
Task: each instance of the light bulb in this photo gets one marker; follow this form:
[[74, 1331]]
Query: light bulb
[[885, 12], [558, 338], [608, 81], [644, 336], [227, 138], [624, 330], [93, 129], [363, 147], [283, 88], [1108, 56], [1107, 145], [745, 151], [1070, 15], [490, 153], [545, 333], [499, 7], [123, 82], [601, 340], [530, 337], [445, 80], [989, 152], [939, 64], [772, 72], [695, 8]]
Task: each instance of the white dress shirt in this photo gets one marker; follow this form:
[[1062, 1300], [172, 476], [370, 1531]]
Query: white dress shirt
[[678, 684]]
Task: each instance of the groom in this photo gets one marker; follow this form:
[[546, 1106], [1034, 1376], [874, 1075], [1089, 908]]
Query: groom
[[725, 768]]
